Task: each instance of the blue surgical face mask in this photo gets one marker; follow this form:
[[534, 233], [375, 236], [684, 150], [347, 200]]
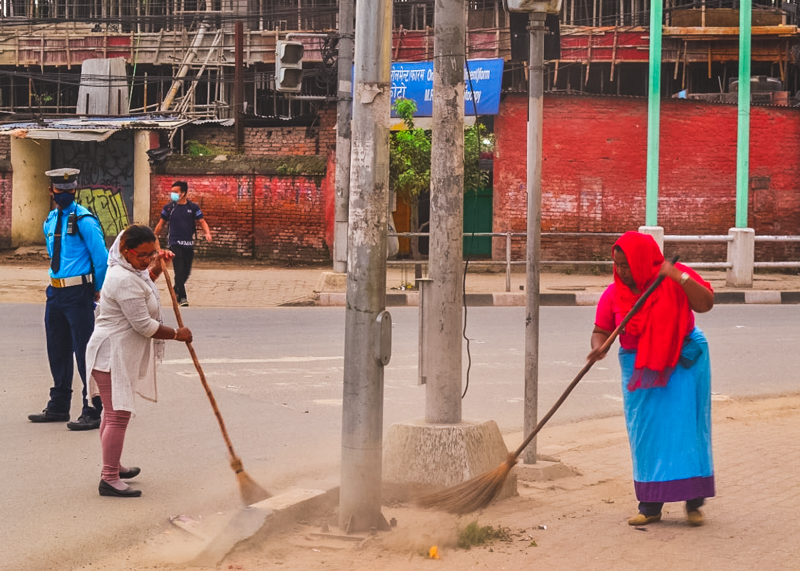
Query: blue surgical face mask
[[63, 199], [174, 196]]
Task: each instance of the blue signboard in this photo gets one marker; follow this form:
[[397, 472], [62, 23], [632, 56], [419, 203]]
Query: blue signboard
[[482, 81]]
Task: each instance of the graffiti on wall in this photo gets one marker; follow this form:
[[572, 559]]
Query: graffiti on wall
[[106, 176], [107, 204]]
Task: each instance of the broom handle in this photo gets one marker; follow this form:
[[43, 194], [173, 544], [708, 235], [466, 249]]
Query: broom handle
[[603, 348], [236, 463]]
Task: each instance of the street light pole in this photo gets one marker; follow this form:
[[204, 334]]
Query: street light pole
[[367, 324], [535, 90], [443, 388], [344, 116]]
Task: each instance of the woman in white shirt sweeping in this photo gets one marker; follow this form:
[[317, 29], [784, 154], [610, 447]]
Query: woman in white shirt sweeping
[[127, 342]]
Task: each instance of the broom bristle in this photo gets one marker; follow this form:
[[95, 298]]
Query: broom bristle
[[471, 495], [251, 492]]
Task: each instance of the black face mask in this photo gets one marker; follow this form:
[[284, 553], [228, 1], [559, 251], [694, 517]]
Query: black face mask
[[63, 199]]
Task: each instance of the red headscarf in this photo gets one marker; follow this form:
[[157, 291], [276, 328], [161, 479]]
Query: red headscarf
[[662, 323]]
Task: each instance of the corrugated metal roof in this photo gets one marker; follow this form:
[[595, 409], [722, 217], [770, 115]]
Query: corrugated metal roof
[[88, 128], [223, 122]]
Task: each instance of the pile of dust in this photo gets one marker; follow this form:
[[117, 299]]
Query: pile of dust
[[416, 531]]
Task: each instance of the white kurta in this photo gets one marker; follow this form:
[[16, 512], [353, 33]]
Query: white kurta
[[128, 318]]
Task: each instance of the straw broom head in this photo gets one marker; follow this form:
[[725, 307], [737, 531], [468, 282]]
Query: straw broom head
[[249, 490], [471, 495]]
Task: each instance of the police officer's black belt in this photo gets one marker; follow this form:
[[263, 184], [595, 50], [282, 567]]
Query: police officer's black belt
[[73, 281]]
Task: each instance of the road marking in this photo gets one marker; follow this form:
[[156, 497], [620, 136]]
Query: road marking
[[328, 402], [227, 361]]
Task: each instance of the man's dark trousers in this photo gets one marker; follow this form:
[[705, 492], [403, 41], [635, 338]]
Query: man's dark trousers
[[68, 323], [182, 265]]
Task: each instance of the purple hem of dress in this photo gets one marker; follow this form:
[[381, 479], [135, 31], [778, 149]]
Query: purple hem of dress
[[675, 490]]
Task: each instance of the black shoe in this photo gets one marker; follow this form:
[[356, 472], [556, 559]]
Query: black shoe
[[107, 489], [183, 302], [84, 423], [131, 473], [49, 416]]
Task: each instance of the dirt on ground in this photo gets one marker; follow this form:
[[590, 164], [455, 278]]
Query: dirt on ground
[[572, 522]]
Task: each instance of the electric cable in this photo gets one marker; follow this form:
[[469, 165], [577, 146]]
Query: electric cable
[[472, 236]]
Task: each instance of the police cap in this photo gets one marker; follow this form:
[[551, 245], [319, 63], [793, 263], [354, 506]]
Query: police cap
[[64, 179]]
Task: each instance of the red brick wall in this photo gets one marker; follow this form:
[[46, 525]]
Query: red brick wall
[[595, 164], [268, 217], [327, 130], [259, 141], [5, 147], [5, 207]]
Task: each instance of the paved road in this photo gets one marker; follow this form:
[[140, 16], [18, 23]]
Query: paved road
[[277, 376]]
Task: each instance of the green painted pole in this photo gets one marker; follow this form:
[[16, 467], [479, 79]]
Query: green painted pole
[[653, 113], [743, 140]]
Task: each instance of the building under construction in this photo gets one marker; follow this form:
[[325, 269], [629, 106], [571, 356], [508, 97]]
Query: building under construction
[[179, 55]]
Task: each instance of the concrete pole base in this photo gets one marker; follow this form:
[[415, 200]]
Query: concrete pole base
[[657, 232], [741, 255], [419, 457], [331, 282]]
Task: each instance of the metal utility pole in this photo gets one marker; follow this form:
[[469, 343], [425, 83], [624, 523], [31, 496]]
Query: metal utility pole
[[368, 325], [653, 114], [344, 116], [743, 139], [443, 388], [535, 92], [238, 86]]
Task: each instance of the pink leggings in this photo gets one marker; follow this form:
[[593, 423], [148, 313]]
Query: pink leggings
[[112, 428]]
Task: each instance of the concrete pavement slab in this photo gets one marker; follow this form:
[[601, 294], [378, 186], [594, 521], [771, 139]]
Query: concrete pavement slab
[[243, 283]]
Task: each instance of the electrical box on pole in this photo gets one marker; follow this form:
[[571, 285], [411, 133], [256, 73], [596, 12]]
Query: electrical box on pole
[[288, 66]]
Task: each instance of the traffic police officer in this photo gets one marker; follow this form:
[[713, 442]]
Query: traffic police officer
[[79, 260]]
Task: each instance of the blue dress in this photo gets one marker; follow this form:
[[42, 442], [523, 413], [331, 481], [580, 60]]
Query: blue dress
[[669, 427]]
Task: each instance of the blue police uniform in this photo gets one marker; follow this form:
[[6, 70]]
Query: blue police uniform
[[69, 313]]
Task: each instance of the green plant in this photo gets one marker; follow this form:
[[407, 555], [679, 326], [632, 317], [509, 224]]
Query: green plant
[[477, 140], [285, 169], [43, 99], [410, 162], [473, 534], [197, 149]]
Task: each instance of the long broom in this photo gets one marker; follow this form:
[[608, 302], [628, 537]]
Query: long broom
[[478, 492], [249, 490]]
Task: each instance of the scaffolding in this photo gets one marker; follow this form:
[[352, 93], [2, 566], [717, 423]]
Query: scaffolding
[[182, 51]]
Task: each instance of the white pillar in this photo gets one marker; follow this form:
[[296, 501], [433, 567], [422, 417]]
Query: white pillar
[[141, 178], [30, 195], [741, 256]]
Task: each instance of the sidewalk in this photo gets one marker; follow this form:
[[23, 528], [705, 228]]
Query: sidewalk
[[245, 284], [574, 522]]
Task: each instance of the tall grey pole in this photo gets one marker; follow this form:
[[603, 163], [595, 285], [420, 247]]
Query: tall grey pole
[[535, 90], [443, 389], [344, 114], [362, 411]]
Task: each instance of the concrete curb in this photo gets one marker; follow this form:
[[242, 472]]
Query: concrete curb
[[262, 518], [506, 299], [256, 522]]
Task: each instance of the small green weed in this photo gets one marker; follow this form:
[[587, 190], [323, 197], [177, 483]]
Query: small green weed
[[473, 534], [197, 149], [285, 169]]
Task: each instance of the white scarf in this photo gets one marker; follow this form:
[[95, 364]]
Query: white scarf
[[115, 258]]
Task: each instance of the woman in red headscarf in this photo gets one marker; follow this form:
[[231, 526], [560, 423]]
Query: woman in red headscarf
[[666, 376]]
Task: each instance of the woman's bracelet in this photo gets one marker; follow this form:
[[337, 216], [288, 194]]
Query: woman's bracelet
[[176, 335]]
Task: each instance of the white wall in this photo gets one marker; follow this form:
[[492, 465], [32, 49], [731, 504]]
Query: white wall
[[30, 196]]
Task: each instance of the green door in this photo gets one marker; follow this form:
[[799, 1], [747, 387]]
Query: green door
[[477, 218]]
